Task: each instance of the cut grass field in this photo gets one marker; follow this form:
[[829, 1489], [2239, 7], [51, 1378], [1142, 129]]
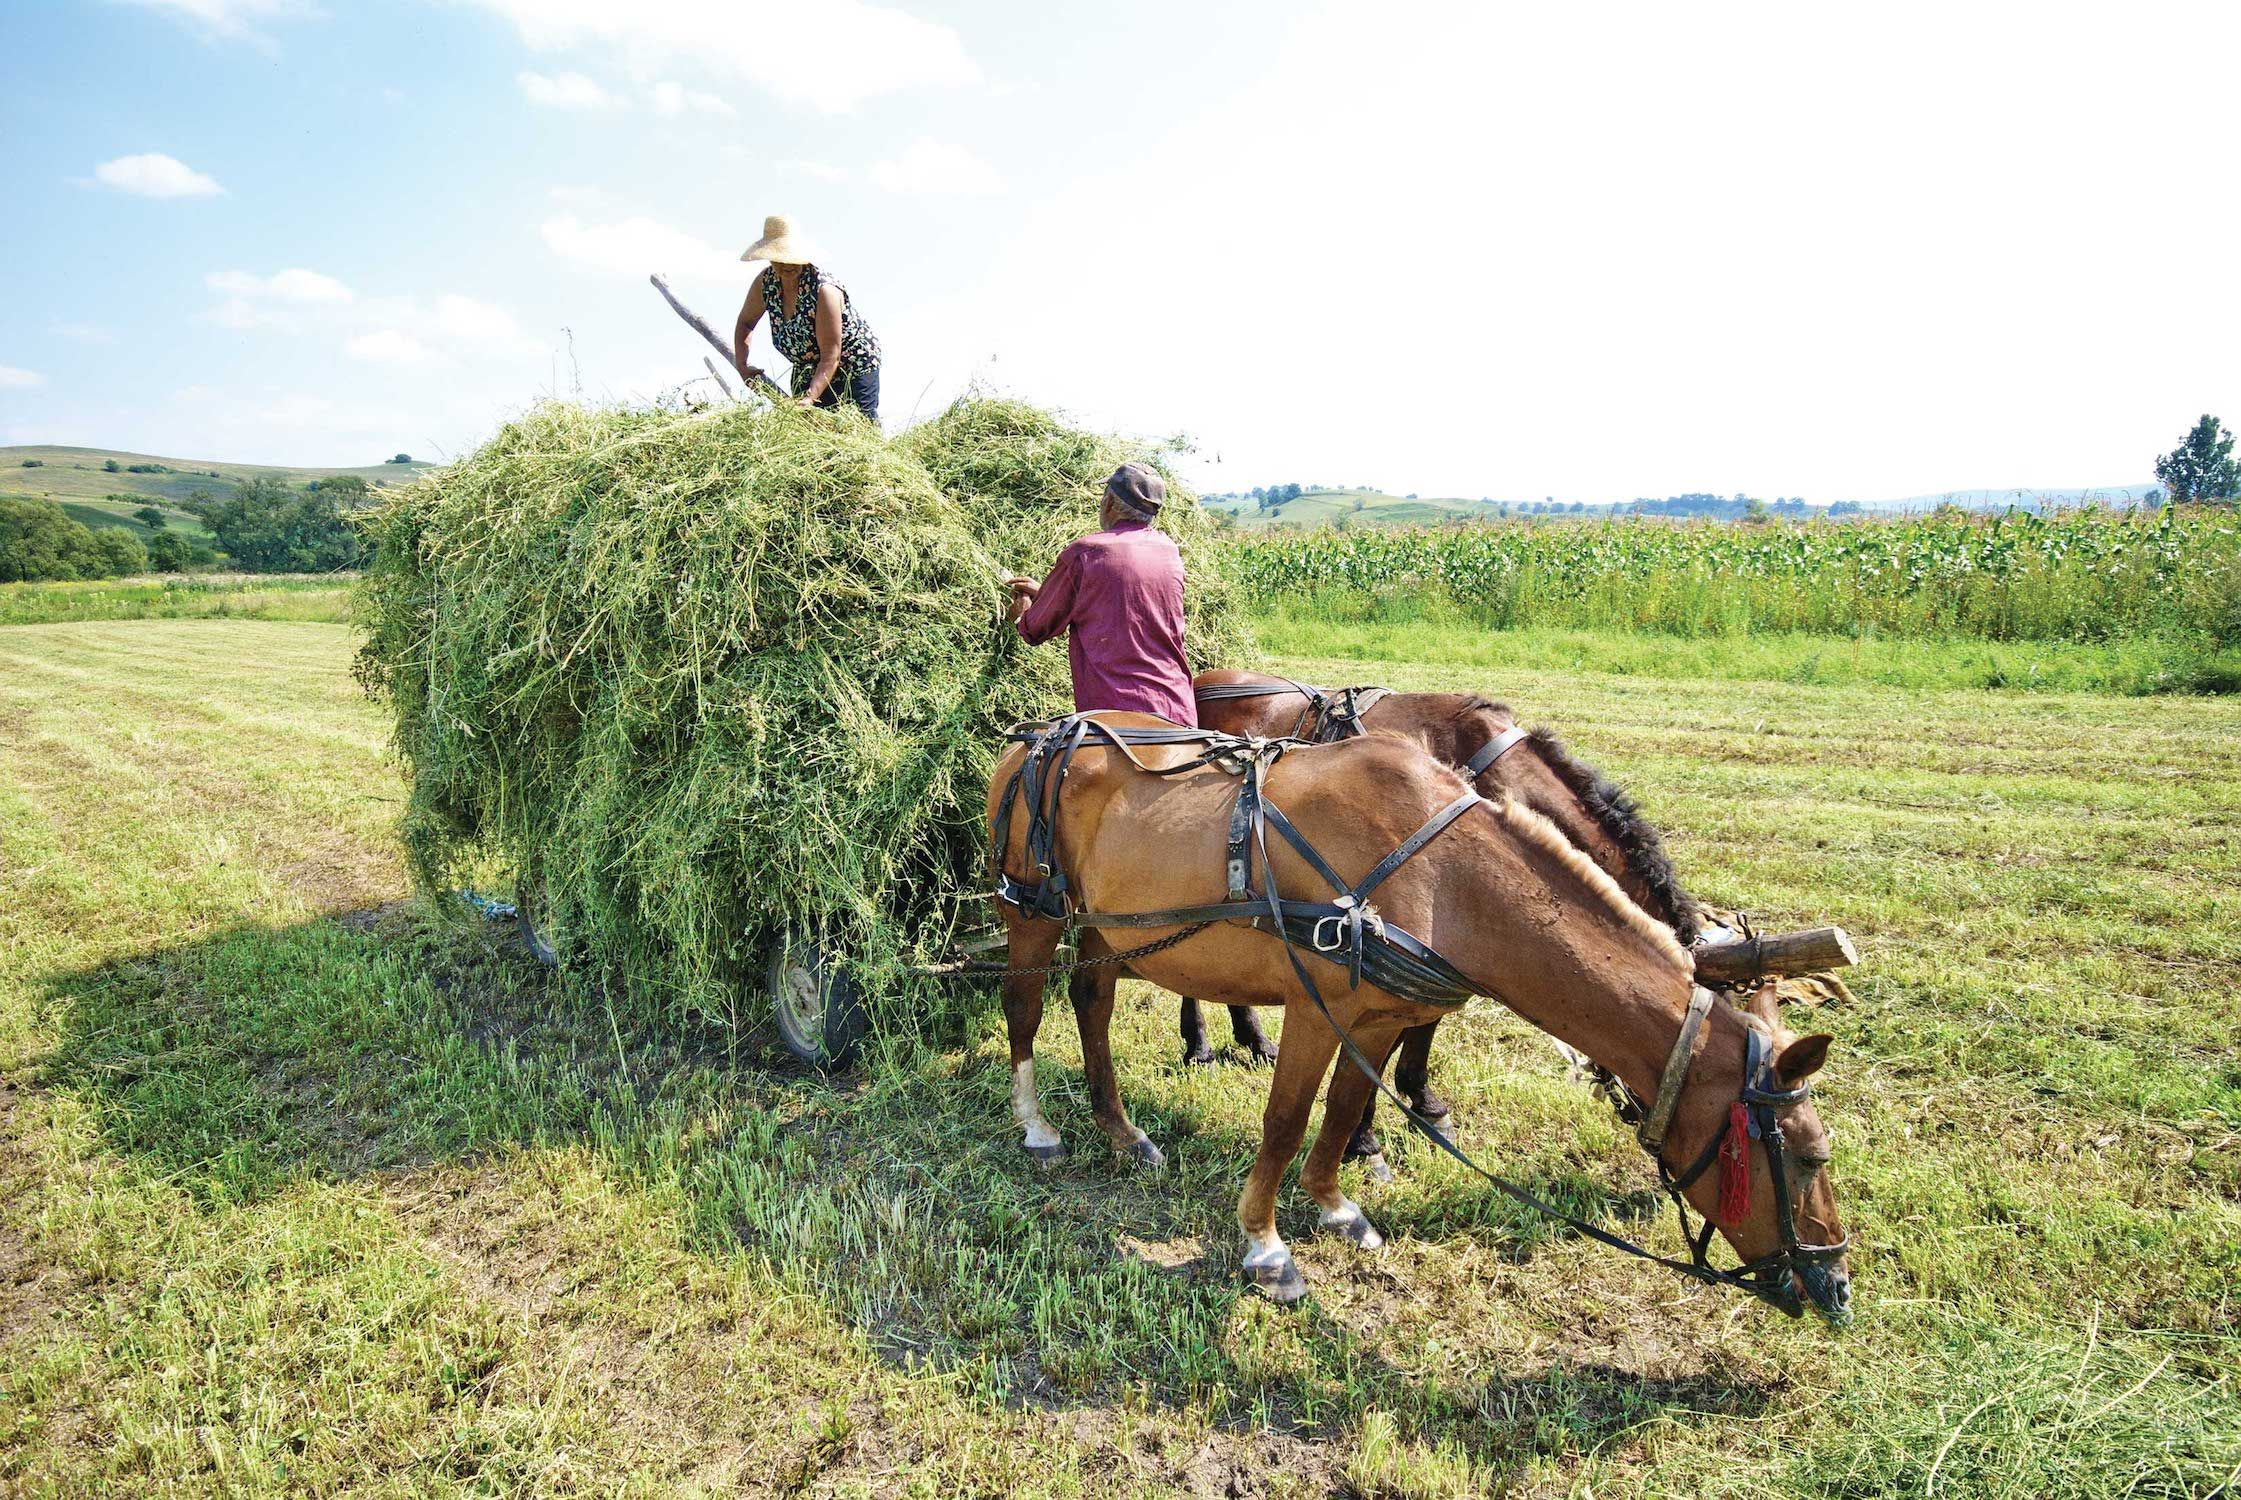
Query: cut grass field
[[305, 1188]]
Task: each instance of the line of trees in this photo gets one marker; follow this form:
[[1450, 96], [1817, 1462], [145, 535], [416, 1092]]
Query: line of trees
[[264, 526]]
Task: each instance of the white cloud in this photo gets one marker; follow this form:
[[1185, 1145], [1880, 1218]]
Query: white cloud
[[566, 91], [931, 167], [12, 378], [254, 301], [636, 246], [822, 171], [388, 346], [230, 20], [463, 322], [673, 99], [154, 175], [828, 56], [85, 333]]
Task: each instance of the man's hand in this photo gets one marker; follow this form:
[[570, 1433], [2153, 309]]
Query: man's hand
[[1023, 592]]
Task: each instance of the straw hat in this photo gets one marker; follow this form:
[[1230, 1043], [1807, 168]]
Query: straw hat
[[781, 244]]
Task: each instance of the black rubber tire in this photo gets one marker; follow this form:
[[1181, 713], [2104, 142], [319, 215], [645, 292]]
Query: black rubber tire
[[821, 1018], [533, 917]]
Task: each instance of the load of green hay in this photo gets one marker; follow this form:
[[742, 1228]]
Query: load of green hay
[[709, 678]]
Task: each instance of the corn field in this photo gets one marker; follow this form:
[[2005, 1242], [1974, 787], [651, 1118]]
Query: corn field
[[2076, 575]]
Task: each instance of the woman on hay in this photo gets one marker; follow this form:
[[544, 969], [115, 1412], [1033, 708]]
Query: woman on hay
[[834, 355]]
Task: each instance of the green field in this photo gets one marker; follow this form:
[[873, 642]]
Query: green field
[[76, 474], [1356, 508], [306, 1188]]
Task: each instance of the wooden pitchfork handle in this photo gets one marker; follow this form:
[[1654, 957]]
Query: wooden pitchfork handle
[[699, 325]]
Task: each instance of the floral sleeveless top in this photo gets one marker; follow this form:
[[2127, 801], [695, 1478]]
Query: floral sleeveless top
[[794, 329]]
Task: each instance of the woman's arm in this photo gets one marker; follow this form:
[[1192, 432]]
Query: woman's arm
[[828, 344], [750, 313]]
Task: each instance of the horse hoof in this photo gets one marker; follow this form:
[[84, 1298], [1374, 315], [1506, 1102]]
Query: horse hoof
[[1374, 1168], [1200, 1056], [1349, 1221], [1142, 1153], [1431, 1107], [1280, 1281], [1262, 1056], [1362, 1146], [1050, 1155]]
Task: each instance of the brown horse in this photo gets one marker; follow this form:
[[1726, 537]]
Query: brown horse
[[1501, 893], [1596, 817]]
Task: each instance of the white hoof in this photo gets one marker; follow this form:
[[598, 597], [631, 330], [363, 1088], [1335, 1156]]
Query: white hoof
[[1348, 1219]]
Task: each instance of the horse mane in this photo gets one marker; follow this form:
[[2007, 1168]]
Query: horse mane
[[1621, 818], [1536, 829]]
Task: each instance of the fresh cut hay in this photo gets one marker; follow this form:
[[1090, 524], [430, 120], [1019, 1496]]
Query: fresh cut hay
[[712, 678]]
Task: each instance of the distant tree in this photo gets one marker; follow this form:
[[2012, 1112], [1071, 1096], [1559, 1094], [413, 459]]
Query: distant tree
[[147, 468], [1755, 512], [38, 541], [1845, 508], [120, 551], [34, 463], [268, 528], [1412, 494], [1578, 506], [111, 466], [402, 458], [150, 517], [346, 490], [2202, 466]]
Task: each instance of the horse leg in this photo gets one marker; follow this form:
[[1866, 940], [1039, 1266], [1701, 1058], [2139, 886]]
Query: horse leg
[[1350, 1089], [1032, 944], [1196, 1053], [1246, 1027], [1363, 1145], [1299, 1070], [1091, 990], [1412, 1075]]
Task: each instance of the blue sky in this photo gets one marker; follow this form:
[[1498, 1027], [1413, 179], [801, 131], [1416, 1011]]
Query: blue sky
[[1589, 252]]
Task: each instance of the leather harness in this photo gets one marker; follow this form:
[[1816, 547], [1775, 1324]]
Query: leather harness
[[1333, 714], [1347, 930]]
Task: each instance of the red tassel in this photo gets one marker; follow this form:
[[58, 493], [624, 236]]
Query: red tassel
[[1735, 1166]]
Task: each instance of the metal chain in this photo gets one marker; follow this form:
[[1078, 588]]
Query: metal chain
[[1112, 958]]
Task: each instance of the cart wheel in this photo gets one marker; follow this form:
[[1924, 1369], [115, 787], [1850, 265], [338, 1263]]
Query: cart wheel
[[540, 933], [821, 1018]]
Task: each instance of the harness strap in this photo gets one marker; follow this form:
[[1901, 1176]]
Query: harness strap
[[1493, 750], [1651, 1133]]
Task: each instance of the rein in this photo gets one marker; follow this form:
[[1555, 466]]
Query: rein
[[1398, 963], [1329, 716]]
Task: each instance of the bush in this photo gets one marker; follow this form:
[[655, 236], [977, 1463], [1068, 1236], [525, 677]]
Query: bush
[[150, 517], [111, 466], [169, 552], [34, 463], [718, 677], [38, 541]]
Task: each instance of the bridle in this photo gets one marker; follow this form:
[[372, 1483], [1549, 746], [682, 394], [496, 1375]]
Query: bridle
[[1346, 931], [1754, 1115]]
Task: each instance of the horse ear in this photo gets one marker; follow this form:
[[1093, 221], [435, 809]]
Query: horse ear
[[1803, 1057]]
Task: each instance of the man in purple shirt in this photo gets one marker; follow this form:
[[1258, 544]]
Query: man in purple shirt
[[1118, 592]]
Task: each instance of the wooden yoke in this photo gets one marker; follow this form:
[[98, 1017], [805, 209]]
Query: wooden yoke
[[1745, 960]]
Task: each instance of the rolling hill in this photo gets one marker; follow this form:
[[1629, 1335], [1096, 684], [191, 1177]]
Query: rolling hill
[[1356, 507], [78, 475]]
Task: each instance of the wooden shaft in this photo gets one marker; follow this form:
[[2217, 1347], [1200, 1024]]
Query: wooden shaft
[[701, 326], [1741, 960]]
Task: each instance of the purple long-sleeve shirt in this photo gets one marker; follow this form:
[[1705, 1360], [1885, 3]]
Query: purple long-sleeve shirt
[[1119, 594]]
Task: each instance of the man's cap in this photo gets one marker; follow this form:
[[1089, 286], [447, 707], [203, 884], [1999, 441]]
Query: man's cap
[[1137, 487]]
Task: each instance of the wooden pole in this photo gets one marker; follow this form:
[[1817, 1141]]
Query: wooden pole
[[700, 326], [1742, 960], [718, 376]]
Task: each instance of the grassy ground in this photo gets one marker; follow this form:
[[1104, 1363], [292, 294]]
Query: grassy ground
[[108, 512], [304, 1189]]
